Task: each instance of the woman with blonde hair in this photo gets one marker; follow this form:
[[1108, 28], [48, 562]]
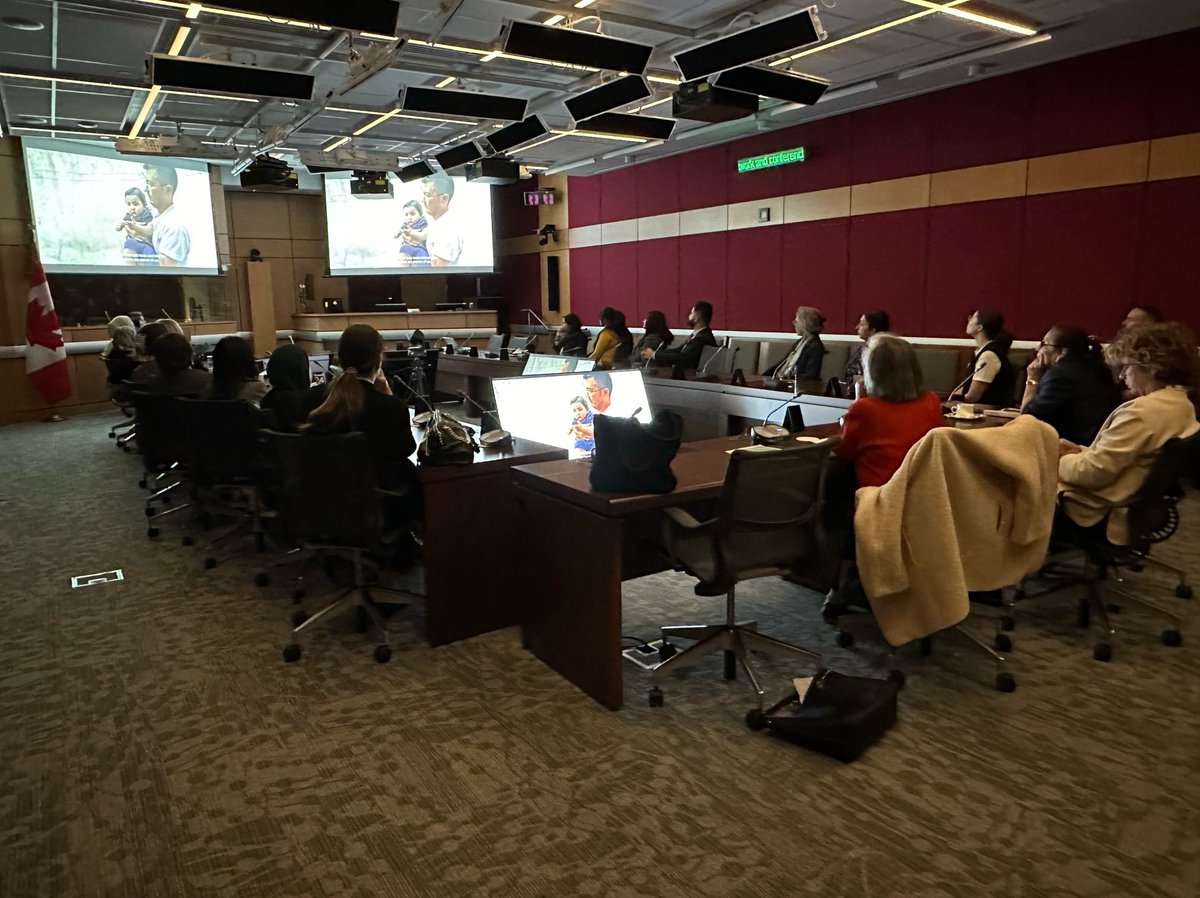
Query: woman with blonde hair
[[803, 362]]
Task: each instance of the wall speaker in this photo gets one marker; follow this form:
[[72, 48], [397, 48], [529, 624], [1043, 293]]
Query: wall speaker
[[770, 83], [552, 294], [576, 47], [459, 155], [178, 73], [375, 16], [644, 126], [462, 104], [516, 134], [415, 172], [608, 96], [780, 36]]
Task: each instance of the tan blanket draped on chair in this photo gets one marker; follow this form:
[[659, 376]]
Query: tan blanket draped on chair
[[968, 510]]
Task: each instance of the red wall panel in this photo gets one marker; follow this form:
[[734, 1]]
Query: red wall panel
[[657, 281], [828, 164], [753, 185], [1167, 273], [887, 266], [587, 296], [658, 186], [583, 201], [982, 123], [816, 256], [891, 141], [1173, 67], [703, 179], [702, 259], [974, 260], [753, 277], [521, 281], [618, 194], [619, 277], [1079, 260]]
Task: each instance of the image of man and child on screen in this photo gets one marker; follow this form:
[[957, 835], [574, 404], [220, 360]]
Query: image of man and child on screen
[[429, 233], [155, 232]]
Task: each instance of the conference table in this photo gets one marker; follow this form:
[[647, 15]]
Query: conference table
[[584, 544], [473, 375], [473, 583]]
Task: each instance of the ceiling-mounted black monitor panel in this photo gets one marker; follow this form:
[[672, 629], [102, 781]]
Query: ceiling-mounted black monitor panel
[[770, 83], [612, 95], [178, 73], [781, 36], [576, 48], [462, 104], [415, 172], [643, 126], [459, 155], [375, 16], [516, 134]]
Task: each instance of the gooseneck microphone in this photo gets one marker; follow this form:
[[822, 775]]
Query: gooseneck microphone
[[772, 433], [491, 434]]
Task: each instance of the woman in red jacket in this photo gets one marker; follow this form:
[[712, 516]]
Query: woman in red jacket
[[880, 428]]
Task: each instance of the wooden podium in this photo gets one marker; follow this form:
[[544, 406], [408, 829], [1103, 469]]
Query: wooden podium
[[260, 290]]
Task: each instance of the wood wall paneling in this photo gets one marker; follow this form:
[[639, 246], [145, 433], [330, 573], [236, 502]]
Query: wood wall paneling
[[1175, 157], [1107, 166]]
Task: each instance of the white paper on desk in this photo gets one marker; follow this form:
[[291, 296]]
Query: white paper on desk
[[758, 448], [802, 685], [809, 439]]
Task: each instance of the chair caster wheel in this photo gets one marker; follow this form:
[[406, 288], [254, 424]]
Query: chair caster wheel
[[112, 436], [845, 639], [756, 719], [142, 483], [1007, 623], [897, 677], [1171, 638], [291, 653], [262, 579], [1184, 591], [667, 650], [298, 595], [1083, 615], [362, 622], [1002, 644], [383, 654], [656, 697], [1102, 652], [298, 617], [187, 541], [210, 563], [152, 532], [1005, 682], [1112, 608]]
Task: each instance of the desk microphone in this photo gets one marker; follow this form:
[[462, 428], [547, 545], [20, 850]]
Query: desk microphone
[[491, 434], [637, 411], [421, 419], [771, 433]]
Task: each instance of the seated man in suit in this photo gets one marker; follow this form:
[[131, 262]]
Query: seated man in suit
[[688, 354]]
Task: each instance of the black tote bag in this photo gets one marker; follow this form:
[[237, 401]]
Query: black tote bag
[[632, 457]]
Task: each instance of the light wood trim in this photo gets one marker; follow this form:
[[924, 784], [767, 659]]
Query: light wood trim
[[1125, 163], [624, 231], [711, 219], [982, 182], [816, 205], [745, 215], [1175, 157], [653, 227], [890, 196]]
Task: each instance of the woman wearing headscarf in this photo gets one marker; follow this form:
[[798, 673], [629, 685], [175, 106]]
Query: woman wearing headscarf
[[121, 359], [235, 373], [114, 325], [292, 396]]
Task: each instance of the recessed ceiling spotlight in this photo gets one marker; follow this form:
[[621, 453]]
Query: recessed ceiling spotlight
[[20, 23], [87, 126]]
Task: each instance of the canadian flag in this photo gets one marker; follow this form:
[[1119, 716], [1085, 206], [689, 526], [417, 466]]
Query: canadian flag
[[45, 354]]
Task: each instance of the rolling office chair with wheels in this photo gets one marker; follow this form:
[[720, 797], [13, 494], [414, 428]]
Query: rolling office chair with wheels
[[767, 522], [328, 503], [1152, 516], [163, 444]]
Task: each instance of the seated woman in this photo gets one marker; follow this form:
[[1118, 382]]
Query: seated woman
[[235, 373], [293, 396], [1157, 364], [120, 356], [656, 336], [880, 428], [361, 400], [803, 362], [146, 338], [115, 323], [571, 338], [1069, 386], [992, 380], [614, 342], [176, 377]]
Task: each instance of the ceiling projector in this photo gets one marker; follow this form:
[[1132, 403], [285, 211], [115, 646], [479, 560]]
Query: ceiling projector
[[269, 173]]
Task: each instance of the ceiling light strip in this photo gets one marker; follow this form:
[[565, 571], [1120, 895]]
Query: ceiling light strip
[[554, 20], [449, 79], [600, 135], [378, 120], [151, 96], [867, 32], [330, 147], [978, 18], [180, 36]]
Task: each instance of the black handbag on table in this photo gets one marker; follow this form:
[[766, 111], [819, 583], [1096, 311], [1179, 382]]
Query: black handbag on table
[[446, 442], [632, 457], [840, 715]]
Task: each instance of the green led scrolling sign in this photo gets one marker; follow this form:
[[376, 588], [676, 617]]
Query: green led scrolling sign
[[770, 160]]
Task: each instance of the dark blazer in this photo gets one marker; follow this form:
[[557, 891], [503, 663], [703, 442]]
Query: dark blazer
[[688, 354], [574, 344], [1075, 400], [291, 408], [808, 366], [385, 423]]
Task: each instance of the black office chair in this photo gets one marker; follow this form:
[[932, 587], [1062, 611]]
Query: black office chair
[[1152, 516], [163, 444], [223, 460], [767, 522], [328, 503]]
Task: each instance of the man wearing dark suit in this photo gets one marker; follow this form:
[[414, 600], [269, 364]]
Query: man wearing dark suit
[[687, 355]]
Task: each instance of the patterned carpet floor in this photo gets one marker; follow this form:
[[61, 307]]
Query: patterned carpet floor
[[153, 743]]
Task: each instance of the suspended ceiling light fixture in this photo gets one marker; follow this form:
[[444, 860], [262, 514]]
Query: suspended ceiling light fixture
[[980, 14]]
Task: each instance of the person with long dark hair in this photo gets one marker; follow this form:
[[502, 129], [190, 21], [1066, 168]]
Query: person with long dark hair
[[1069, 386], [657, 334], [992, 380], [361, 400], [571, 338], [614, 343], [869, 324], [235, 372], [147, 336]]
